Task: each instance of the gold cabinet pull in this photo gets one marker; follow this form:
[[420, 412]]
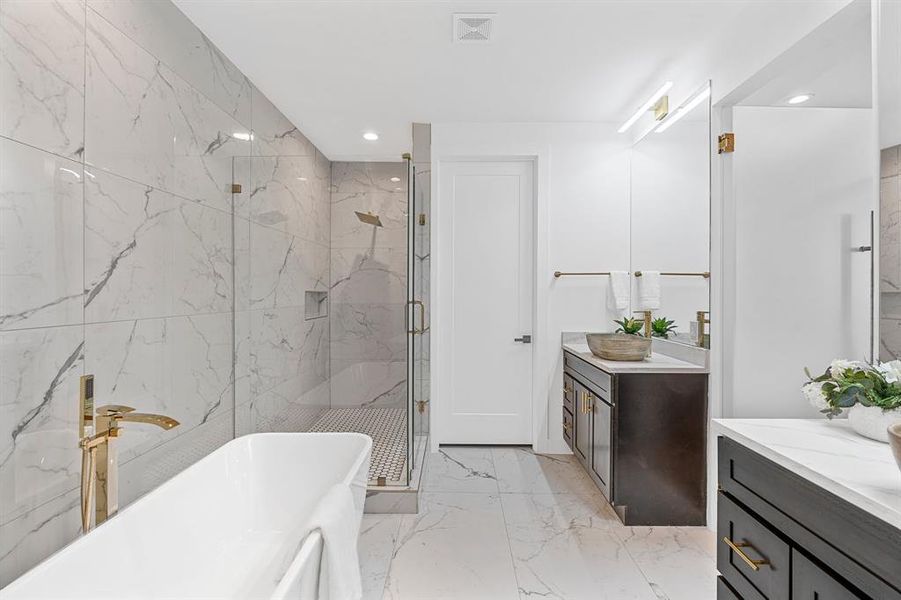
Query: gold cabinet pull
[[567, 390], [588, 399], [737, 548]]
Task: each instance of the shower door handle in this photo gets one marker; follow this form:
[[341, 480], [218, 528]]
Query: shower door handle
[[526, 339], [421, 314], [407, 316]]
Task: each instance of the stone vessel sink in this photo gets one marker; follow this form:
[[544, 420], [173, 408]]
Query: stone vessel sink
[[618, 346]]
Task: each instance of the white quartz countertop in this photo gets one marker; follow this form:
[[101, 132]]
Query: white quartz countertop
[[830, 455], [657, 363]]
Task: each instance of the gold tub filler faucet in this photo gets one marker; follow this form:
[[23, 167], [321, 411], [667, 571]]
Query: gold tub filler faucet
[[99, 464]]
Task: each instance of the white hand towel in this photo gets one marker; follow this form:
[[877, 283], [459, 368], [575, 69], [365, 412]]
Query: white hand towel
[[649, 290], [336, 518], [618, 292]]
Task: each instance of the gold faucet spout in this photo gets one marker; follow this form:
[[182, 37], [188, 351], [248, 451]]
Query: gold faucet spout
[[161, 421]]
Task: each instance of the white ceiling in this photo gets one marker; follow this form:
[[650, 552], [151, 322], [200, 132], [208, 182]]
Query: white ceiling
[[339, 68], [834, 63]]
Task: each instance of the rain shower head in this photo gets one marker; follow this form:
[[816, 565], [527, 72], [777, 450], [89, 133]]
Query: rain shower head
[[368, 218]]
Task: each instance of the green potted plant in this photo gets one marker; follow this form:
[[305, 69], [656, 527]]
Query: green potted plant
[[661, 327], [629, 326], [870, 393]]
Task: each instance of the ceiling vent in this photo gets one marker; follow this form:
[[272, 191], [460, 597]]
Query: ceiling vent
[[473, 28]]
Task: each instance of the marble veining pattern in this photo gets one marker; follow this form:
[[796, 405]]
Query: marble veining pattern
[[150, 254], [42, 230], [39, 377], [143, 122], [890, 253], [123, 128], [368, 285], [162, 30], [42, 70], [559, 541]]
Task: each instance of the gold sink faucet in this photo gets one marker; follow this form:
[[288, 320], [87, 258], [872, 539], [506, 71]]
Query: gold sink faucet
[[703, 320], [99, 465]]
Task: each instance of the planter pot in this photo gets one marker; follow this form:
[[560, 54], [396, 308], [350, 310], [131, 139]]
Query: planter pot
[[872, 421], [618, 346]]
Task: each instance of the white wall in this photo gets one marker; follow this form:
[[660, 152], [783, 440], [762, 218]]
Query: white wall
[[802, 191], [582, 224]]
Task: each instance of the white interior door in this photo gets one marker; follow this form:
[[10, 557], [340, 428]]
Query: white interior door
[[487, 212], [803, 185]]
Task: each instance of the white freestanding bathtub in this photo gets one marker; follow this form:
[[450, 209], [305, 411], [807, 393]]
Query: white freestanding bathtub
[[233, 525]]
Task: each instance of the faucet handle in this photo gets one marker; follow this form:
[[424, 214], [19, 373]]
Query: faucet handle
[[110, 410]]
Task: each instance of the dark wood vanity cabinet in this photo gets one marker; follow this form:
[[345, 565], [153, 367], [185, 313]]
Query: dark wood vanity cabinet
[[780, 537], [641, 437]]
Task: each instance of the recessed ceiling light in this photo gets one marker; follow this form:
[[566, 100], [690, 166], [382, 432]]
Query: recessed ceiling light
[[370, 136], [301, 179], [395, 179], [646, 106], [800, 98], [240, 135]]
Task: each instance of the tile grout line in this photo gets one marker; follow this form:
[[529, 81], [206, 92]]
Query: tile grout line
[[500, 499]]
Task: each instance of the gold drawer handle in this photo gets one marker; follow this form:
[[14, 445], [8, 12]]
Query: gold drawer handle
[[567, 390], [567, 426], [737, 548], [588, 399]]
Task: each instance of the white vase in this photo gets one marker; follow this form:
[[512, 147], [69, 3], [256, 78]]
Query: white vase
[[872, 421]]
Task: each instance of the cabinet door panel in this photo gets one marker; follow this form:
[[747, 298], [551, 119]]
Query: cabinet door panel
[[582, 445], [601, 414], [810, 582]]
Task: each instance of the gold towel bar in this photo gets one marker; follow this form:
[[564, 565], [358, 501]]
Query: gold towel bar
[[705, 274], [561, 273]]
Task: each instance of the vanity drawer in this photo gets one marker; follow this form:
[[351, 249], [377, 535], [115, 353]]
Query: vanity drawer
[[568, 428], [810, 582], [599, 381], [856, 545], [757, 564], [568, 392]]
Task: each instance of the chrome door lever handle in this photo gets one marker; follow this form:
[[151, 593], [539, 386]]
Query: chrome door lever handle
[[526, 339]]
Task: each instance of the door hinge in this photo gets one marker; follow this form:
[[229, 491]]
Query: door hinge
[[420, 406], [422, 218], [726, 143], [236, 188]]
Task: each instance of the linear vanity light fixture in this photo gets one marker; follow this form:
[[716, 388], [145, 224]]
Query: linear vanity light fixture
[[705, 274], [646, 106], [684, 109]]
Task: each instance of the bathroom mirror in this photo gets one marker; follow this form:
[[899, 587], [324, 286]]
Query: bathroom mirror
[[670, 219]]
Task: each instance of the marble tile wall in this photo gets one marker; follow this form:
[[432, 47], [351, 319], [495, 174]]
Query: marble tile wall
[[123, 253], [368, 285], [282, 232], [890, 254]]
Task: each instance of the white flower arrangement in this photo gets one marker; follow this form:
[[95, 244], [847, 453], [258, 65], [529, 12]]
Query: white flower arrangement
[[846, 383]]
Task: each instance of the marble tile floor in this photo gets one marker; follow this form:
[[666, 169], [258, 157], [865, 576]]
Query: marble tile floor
[[504, 523]]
